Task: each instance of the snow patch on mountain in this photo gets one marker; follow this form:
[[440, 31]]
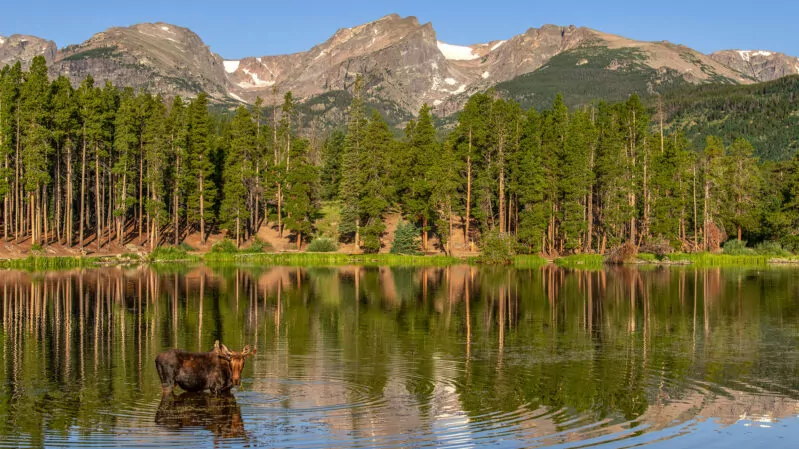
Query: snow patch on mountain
[[2, 40], [231, 66], [256, 82], [456, 52], [746, 55], [485, 75], [497, 45], [450, 81]]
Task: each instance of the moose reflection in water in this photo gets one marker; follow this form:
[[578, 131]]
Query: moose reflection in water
[[387, 356], [218, 414]]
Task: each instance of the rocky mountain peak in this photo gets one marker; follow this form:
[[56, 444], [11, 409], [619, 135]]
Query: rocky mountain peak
[[23, 48], [761, 65]]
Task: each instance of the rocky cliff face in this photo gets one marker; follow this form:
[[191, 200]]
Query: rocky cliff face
[[162, 58], [21, 48], [402, 61], [759, 64]]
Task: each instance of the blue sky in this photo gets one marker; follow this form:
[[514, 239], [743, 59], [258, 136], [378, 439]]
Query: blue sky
[[252, 28]]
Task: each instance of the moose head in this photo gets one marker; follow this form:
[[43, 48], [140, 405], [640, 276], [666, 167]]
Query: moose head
[[235, 358]]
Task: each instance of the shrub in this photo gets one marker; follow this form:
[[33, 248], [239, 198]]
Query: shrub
[[497, 249], [224, 246], [406, 239], [259, 246], [790, 243], [371, 237], [186, 247], [36, 248], [623, 254], [771, 249], [736, 248], [322, 245]]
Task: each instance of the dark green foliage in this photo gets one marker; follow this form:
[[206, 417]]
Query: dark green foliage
[[322, 245], [736, 248], [224, 246], [767, 114], [582, 76], [497, 249], [406, 239]]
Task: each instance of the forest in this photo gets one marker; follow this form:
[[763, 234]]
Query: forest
[[94, 165]]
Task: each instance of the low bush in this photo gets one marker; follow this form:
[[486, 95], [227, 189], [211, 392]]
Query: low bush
[[258, 246], [771, 249], [623, 254], [736, 248], [406, 239], [322, 245], [224, 246], [497, 249]]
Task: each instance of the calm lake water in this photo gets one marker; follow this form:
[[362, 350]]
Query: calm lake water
[[406, 357]]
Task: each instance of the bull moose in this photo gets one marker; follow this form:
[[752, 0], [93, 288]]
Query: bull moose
[[217, 370]]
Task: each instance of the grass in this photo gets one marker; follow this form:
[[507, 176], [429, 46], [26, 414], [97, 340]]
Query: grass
[[529, 261], [582, 261], [705, 260], [171, 254], [39, 263]]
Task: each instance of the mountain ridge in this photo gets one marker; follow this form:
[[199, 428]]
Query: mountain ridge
[[401, 60]]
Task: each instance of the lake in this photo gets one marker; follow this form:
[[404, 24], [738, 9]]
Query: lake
[[406, 357]]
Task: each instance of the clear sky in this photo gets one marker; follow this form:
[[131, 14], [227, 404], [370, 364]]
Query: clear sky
[[263, 27]]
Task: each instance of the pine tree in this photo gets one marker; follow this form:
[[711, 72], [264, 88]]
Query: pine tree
[[422, 147], [156, 150], [127, 135], [36, 138], [234, 211], [743, 187], [10, 81], [351, 176], [575, 180], [532, 186], [202, 194], [177, 130], [302, 192]]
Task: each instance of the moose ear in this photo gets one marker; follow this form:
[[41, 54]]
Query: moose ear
[[250, 351], [225, 350], [216, 345]]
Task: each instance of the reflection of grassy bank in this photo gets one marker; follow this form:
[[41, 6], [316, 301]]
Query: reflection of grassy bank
[[330, 259]]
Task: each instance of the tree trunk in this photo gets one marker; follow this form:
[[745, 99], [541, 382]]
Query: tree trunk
[[202, 211], [466, 236], [141, 193], [97, 198], [82, 192], [69, 202]]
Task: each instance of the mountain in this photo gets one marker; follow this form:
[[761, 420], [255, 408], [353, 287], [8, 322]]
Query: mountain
[[759, 64], [159, 57], [403, 63], [21, 48]]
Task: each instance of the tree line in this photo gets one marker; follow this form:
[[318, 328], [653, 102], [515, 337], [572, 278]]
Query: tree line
[[97, 164]]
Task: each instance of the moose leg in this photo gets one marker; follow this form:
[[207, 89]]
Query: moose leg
[[167, 375]]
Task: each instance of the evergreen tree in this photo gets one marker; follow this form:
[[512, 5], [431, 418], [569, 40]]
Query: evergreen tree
[[36, 138], [156, 149], [743, 187], [351, 176], [202, 194], [302, 192], [127, 141], [234, 203]]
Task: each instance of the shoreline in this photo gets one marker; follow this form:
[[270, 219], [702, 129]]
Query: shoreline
[[38, 262]]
